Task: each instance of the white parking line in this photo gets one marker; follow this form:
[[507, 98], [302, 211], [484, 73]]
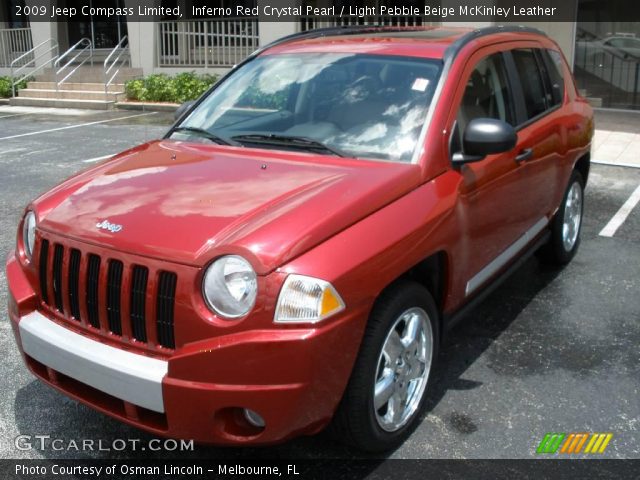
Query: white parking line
[[621, 215], [76, 126]]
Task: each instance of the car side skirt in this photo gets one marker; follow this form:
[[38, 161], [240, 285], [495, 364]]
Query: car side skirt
[[451, 319]]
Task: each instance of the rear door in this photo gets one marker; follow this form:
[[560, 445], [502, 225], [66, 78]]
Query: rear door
[[538, 95]]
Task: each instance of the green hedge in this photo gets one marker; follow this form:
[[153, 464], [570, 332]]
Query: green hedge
[[163, 88], [5, 86]]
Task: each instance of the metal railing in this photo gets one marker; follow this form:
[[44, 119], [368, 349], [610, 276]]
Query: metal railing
[[114, 62], [617, 70], [14, 43], [81, 56], [312, 22], [28, 60], [206, 43]]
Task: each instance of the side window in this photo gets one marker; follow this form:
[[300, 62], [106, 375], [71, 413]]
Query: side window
[[531, 80], [487, 94], [554, 61]]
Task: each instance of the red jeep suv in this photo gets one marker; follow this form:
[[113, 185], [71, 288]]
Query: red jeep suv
[[291, 253]]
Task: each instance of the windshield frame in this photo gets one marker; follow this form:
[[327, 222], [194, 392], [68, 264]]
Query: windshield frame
[[443, 67]]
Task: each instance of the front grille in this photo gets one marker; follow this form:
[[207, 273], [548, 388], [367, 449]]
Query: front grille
[[138, 301], [44, 279], [164, 308], [114, 293], [93, 285], [114, 287], [74, 283], [57, 276]]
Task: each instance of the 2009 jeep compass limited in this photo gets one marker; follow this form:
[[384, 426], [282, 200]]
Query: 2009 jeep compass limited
[[290, 254]]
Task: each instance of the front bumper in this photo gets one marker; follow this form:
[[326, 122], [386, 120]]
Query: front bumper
[[293, 377], [133, 378]]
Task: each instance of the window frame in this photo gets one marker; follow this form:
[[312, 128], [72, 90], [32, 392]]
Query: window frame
[[521, 108], [545, 54], [455, 133]]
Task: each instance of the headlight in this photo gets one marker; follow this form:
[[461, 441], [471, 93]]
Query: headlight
[[230, 286], [307, 300], [29, 233]]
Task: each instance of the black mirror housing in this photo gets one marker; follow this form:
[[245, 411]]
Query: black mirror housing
[[182, 109], [485, 136]]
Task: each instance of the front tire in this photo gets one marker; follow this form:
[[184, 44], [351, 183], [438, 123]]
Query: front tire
[[386, 393], [567, 224]]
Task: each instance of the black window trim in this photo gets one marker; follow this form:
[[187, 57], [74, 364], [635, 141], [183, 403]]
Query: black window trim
[[518, 92], [546, 79], [545, 53]]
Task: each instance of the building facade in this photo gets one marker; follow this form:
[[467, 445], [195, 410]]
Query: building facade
[[604, 52]]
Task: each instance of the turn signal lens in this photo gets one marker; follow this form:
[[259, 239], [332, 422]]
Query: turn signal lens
[[307, 300]]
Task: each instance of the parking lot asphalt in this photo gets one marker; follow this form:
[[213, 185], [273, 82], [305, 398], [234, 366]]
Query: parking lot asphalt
[[549, 351]]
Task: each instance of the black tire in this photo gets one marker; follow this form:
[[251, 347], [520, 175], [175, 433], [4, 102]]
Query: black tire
[[355, 421], [556, 251]]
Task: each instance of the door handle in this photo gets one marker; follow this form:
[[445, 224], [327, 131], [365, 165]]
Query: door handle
[[524, 155]]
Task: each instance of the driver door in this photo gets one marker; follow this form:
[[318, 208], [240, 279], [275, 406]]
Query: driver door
[[491, 190]]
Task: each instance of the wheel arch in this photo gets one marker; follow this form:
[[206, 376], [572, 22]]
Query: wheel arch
[[433, 274], [583, 165]]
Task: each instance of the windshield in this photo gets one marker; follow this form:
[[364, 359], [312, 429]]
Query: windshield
[[368, 106]]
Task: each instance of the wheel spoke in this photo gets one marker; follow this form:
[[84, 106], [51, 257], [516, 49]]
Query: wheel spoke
[[384, 389], [412, 331], [417, 368], [393, 347], [396, 407]]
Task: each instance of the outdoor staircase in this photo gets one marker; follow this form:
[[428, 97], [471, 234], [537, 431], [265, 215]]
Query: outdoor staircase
[[85, 89]]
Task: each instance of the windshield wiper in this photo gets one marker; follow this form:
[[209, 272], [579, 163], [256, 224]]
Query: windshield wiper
[[205, 134], [302, 143]]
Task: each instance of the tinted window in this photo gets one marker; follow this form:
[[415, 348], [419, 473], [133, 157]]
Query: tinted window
[[531, 80], [487, 94], [554, 62], [370, 106]]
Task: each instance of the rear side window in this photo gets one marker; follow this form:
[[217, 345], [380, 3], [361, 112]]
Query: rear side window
[[531, 80], [554, 63]]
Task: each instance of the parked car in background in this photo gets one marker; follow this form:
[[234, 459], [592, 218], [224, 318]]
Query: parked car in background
[[626, 46], [291, 253]]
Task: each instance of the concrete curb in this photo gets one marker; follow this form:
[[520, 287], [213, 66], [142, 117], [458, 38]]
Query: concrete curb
[[147, 107]]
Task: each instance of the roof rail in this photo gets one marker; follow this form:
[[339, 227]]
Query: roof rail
[[453, 49], [340, 30]]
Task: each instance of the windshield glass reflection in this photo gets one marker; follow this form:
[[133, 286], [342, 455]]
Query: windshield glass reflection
[[368, 106]]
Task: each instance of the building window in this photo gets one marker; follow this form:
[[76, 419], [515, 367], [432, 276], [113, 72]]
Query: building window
[[12, 20], [607, 54]]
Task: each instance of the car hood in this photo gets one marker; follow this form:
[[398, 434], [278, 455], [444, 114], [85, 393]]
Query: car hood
[[190, 202]]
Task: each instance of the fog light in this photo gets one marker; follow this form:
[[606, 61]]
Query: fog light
[[253, 418]]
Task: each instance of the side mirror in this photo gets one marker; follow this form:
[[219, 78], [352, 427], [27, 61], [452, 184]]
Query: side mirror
[[182, 109], [485, 136]]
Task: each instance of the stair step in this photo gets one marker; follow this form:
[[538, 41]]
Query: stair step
[[595, 102], [94, 87], [89, 75], [69, 94], [62, 103]]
